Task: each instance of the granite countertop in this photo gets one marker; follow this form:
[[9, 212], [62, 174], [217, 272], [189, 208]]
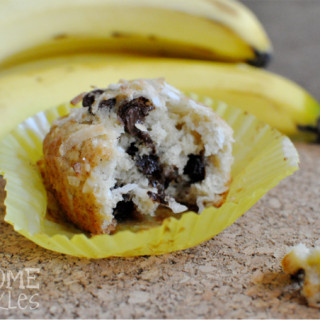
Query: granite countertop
[[237, 274]]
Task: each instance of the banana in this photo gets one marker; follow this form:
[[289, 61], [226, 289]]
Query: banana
[[38, 85], [203, 29]]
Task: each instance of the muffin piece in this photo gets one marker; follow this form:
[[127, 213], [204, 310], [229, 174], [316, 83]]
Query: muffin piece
[[304, 263], [133, 147]]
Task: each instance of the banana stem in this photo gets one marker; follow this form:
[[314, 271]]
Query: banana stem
[[261, 59], [312, 129]]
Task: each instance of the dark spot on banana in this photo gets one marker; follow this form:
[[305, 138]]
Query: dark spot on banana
[[60, 36], [152, 38], [39, 79], [224, 7], [118, 34]]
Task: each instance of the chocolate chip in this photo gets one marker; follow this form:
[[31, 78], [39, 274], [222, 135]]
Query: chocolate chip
[[117, 185], [124, 209], [107, 104], [132, 149], [90, 97], [145, 137], [135, 111], [298, 276], [195, 168], [158, 197], [131, 113], [149, 165], [158, 176], [171, 173]]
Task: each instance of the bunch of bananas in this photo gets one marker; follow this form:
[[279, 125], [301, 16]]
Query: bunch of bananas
[[51, 50]]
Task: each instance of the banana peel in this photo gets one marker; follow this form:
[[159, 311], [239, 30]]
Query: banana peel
[[32, 87], [216, 29]]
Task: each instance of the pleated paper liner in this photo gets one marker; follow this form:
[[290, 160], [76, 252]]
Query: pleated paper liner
[[262, 157]]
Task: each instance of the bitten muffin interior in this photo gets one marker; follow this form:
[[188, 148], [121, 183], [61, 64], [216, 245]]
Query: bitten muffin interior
[[133, 147]]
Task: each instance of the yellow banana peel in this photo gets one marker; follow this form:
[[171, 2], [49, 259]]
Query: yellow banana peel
[[29, 88], [215, 29]]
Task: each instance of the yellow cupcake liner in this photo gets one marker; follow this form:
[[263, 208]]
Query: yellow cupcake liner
[[262, 157]]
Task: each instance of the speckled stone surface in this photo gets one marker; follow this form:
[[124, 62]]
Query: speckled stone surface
[[235, 275]]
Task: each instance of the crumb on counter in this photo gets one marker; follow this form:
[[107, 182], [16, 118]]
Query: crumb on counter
[[305, 262]]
